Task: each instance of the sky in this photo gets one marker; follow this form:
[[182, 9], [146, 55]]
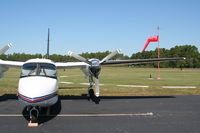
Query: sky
[[97, 25]]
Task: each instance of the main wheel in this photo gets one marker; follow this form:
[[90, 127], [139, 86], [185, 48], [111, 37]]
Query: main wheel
[[97, 100], [91, 93]]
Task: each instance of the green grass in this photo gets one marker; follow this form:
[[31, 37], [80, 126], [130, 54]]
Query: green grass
[[112, 76]]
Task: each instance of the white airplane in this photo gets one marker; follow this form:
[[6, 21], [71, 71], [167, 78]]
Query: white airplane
[[38, 83]]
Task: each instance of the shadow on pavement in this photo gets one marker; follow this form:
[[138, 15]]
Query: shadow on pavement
[[56, 108], [84, 96], [8, 96]]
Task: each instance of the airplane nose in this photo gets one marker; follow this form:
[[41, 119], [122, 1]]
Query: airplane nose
[[37, 86]]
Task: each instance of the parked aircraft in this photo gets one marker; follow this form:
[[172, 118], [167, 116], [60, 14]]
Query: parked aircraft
[[38, 83]]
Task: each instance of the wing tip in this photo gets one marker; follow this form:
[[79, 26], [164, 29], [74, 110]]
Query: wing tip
[[70, 53]]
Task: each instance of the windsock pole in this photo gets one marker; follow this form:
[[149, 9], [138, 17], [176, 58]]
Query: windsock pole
[[158, 73]]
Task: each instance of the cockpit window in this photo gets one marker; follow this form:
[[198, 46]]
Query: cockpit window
[[38, 69], [29, 69], [47, 70]]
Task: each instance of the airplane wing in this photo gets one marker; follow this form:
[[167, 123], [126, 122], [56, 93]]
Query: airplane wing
[[71, 65], [5, 64], [11, 63], [111, 62], [137, 61]]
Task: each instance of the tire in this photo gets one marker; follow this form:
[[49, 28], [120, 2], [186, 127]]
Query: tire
[[34, 117]]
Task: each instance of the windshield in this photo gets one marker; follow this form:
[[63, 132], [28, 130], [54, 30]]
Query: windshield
[[38, 69]]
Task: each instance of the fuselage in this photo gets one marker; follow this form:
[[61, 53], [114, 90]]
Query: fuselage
[[38, 83]]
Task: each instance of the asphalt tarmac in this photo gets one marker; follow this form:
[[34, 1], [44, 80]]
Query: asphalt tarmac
[[141, 114]]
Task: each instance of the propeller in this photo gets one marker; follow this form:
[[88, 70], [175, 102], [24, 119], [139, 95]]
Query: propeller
[[110, 55], [78, 57], [5, 48], [94, 66]]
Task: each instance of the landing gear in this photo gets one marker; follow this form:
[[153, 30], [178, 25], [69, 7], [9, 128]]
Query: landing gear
[[91, 94], [33, 113], [97, 100]]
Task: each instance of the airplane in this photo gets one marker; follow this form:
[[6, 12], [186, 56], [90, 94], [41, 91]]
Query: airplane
[[38, 82]]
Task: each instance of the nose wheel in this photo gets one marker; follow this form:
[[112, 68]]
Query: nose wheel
[[34, 113], [94, 96]]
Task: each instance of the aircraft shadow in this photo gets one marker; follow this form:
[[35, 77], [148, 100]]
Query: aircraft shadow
[[56, 108], [97, 100], [8, 96], [71, 88], [84, 96]]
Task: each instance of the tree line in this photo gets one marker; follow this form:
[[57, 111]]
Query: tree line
[[190, 52]]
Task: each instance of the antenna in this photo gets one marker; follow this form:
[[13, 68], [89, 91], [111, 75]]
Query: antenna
[[48, 43]]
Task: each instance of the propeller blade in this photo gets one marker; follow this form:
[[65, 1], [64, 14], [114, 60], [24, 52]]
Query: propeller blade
[[5, 48], [97, 91], [111, 55], [78, 57]]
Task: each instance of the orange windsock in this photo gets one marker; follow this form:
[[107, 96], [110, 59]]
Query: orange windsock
[[150, 39]]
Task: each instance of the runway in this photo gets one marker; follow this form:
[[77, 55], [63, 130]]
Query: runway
[[113, 115]]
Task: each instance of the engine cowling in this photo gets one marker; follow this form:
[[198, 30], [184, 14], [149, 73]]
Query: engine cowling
[[94, 68]]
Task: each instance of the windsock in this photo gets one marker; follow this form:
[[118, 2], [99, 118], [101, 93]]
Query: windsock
[[150, 39]]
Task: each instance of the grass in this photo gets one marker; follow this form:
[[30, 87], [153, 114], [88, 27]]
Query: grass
[[112, 76]]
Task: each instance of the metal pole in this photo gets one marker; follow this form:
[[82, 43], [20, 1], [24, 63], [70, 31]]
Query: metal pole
[[48, 43], [158, 74]]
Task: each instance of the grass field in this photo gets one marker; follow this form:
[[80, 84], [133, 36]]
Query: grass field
[[113, 76]]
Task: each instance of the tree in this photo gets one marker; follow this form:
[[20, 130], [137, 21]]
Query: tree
[[190, 52]]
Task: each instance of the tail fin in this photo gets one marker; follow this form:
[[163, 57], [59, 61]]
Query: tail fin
[[48, 43], [5, 48]]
